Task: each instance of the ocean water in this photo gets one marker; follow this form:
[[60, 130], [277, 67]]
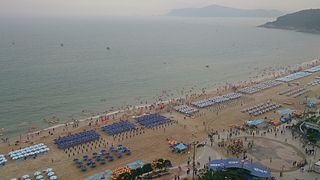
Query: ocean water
[[40, 79]]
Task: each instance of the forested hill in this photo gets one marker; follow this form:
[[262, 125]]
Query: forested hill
[[304, 21]]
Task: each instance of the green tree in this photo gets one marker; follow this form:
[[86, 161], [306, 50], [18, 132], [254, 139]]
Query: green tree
[[147, 168], [137, 172], [232, 174], [125, 176], [159, 164], [312, 136]]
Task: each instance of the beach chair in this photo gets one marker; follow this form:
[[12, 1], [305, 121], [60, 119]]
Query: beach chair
[[83, 168], [103, 161], [93, 165]]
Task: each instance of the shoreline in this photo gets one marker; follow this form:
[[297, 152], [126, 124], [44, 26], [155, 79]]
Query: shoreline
[[138, 109], [152, 143]]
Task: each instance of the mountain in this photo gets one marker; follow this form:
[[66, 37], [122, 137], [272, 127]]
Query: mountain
[[304, 21], [220, 11]]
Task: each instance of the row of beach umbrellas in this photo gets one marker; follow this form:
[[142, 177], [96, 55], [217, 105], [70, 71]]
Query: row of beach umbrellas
[[315, 82], [288, 91], [261, 108], [216, 100], [3, 159], [28, 151], [292, 93], [152, 120], [259, 87], [185, 109], [118, 127], [294, 76], [76, 138], [37, 175], [301, 93], [313, 69]]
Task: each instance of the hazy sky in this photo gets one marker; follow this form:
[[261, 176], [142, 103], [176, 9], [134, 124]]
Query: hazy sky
[[135, 7]]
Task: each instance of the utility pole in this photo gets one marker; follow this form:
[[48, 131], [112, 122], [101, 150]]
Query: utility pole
[[194, 159]]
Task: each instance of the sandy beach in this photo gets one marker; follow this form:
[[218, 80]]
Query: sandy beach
[[152, 143]]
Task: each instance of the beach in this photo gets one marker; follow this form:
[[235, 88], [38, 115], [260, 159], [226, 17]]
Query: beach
[[148, 144], [44, 84]]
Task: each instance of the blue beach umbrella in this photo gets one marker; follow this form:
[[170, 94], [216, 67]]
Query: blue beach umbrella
[[53, 177], [48, 170], [25, 176], [37, 173], [83, 168], [89, 162], [103, 151], [39, 177], [93, 165], [50, 173]]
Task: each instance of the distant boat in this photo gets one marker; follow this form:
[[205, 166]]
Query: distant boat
[[207, 66], [1, 131], [61, 45], [108, 48]]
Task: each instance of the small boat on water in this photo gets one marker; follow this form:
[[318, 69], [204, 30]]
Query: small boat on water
[[1, 131], [53, 121]]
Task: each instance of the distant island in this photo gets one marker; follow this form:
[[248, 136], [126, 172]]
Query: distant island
[[303, 21], [221, 11]]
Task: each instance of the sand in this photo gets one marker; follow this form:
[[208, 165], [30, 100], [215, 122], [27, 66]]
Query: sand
[[153, 143]]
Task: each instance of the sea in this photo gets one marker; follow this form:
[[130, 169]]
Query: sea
[[73, 68]]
